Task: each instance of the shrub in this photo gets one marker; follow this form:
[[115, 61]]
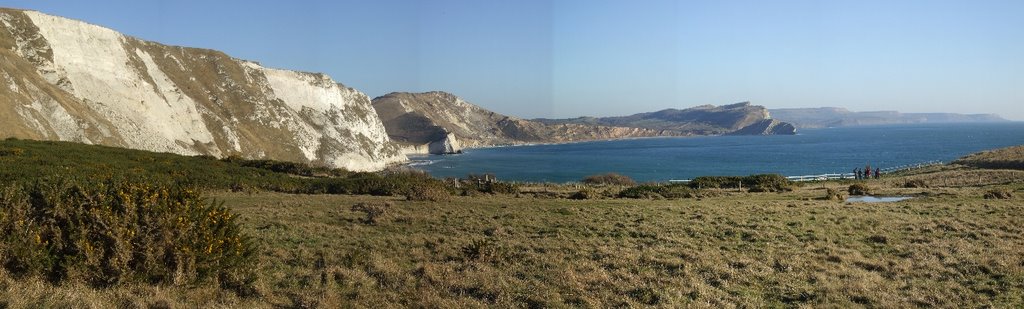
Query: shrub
[[491, 187], [652, 191], [11, 152], [915, 183], [768, 183], [677, 190], [609, 179], [756, 183], [433, 192], [717, 182], [998, 194], [116, 231], [584, 194], [375, 212], [500, 188], [485, 250], [859, 189], [642, 192], [834, 195]]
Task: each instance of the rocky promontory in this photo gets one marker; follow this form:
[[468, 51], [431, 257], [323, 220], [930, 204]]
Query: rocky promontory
[[440, 122]]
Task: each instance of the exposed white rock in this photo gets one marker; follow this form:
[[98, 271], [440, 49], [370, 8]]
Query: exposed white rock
[[142, 95], [447, 145]]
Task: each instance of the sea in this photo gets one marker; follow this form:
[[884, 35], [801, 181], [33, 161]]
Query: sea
[[810, 152]]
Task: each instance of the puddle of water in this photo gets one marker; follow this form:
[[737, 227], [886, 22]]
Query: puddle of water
[[876, 199]]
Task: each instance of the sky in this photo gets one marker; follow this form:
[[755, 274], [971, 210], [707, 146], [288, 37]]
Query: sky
[[568, 58]]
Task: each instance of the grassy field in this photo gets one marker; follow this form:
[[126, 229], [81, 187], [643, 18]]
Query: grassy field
[[947, 248]]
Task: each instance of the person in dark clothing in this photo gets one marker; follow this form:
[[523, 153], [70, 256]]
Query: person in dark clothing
[[878, 174], [857, 173]]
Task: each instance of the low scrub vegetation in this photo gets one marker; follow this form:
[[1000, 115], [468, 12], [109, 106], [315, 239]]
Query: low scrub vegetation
[[915, 183], [27, 160], [658, 191], [859, 189], [998, 194], [609, 179], [585, 194], [118, 231], [834, 195], [755, 183], [374, 211]]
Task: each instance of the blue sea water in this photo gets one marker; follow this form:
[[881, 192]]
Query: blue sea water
[[812, 151]]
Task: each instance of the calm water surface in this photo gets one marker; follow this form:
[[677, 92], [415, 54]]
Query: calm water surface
[[812, 151]]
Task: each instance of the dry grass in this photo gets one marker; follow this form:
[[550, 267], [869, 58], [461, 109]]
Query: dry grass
[[948, 247], [1004, 158]]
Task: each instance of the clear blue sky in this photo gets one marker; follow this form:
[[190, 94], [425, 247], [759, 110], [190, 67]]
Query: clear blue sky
[[601, 58]]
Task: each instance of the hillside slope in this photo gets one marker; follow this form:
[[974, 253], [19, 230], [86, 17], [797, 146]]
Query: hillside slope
[[1003, 158], [700, 120], [439, 122], [72, 81]]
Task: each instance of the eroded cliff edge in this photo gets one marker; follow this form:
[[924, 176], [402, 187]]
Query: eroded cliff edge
[[72, 81]]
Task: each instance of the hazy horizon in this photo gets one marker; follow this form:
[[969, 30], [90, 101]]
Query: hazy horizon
[[559, 59]]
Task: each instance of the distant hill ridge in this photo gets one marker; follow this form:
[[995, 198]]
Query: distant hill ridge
[[699, 120], [826, 117], [440, 122]]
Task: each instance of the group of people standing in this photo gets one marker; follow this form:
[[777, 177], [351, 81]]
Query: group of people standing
[[866, 173]]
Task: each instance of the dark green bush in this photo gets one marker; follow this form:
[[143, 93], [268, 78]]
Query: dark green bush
[[642, 192], [655, 191], [756, 183], [768, 183], [998, 194], [273, 165], [484, 250], [500, 188], [375, 212], [116, 231], [859, 189], [716, 182], [677, 190], [495, 187], [609, 179], [585, 194], [430, 191], [915, 183], [11, 152]]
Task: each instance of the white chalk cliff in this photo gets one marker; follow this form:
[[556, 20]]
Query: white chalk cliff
[[62, 79]]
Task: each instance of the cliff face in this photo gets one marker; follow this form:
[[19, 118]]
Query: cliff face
[[417, 120], [826, 117], [767, 127], [72, 81]]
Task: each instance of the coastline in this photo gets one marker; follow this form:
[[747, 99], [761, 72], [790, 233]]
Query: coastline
[[662, 158]]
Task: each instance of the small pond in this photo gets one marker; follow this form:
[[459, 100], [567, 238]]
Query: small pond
[[876, 199]]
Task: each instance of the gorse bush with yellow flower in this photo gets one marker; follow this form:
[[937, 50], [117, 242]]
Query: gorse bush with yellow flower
[[117, 230]]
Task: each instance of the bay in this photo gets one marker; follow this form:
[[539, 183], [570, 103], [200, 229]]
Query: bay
[[811, 152]]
